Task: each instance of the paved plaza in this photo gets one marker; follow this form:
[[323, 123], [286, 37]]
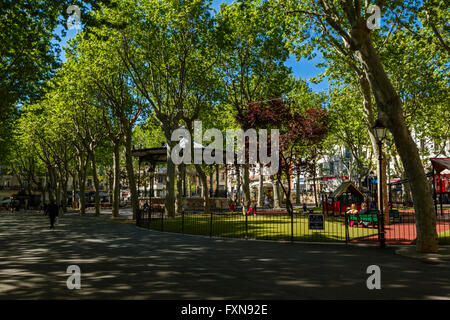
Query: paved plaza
[[120, 261]]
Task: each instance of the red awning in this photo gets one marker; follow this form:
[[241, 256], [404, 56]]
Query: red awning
[[440, 164]]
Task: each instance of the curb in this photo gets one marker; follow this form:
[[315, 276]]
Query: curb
[[435, 258]]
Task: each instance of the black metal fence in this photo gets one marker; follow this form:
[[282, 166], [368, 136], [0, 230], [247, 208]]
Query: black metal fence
[[269, 224]]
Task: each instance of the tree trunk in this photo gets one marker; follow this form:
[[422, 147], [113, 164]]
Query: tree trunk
[[370, 121], [246, 188], [64, 193], [52, 184], [261, 186], [297, 188], [238, 184], [116, 180], [170, 184], [110, 184], [96, 185], [179, 194], [202, 176], [58, 190], [385, 192], [391, 113], [130, 173], [314, 183], [217, 181], [226, 180], [276, 193], [82, 183], [74, 189], [211, 183]]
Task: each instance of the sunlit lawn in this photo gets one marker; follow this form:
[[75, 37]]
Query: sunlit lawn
[[444, 237], [261, 227]]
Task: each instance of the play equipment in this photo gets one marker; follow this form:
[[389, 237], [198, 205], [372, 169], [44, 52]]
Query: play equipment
[[343, 197]]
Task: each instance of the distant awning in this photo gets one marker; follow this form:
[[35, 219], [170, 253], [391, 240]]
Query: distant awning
[[440, 164], [346, 187], [159, 154], [267, 184]]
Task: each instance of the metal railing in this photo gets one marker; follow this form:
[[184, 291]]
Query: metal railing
[[269, 224]]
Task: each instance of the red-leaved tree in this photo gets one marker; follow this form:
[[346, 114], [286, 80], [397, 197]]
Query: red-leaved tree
[[299, 130]]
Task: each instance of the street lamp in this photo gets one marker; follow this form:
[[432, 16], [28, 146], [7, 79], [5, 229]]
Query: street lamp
[[380, 133]]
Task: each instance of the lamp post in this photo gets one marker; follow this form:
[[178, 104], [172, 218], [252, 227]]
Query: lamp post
[[380, 133]]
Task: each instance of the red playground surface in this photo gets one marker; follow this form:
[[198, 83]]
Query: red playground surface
[[402, 232]]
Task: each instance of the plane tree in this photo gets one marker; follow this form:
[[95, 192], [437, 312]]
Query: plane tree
[[252, 66], [344, 27]]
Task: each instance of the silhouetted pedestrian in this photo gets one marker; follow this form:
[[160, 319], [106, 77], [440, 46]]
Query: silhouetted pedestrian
[[45, 209], [53, 211]]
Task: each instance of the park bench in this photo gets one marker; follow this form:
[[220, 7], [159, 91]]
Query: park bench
[[371, 218]]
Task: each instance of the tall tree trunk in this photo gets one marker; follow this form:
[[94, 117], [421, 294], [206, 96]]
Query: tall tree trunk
[[315, 184], [189, 186], [83, 161], [211, 183], [170, 183], [110, 184], [226, 180], [261, 186], [390, 110], [385, 200], [179, 194], [370, 121], [246, 188], [297, 187], [204, 181], [238, 184], [52, 184], [116, 180], [58, 190], [64, 194], [96, 184], [82, 184], [74, 189], [217, 181], [130, 173], [276, 193]]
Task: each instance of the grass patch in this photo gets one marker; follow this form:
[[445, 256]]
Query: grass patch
[[260, 227], [444, 237]]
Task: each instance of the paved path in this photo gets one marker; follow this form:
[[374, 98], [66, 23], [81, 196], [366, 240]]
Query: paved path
[[121, 261]]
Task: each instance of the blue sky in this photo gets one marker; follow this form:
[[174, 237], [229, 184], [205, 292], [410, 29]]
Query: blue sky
[[304, 68]]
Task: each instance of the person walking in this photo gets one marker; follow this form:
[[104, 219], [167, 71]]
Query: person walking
[[53, 211], [45, 209]]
